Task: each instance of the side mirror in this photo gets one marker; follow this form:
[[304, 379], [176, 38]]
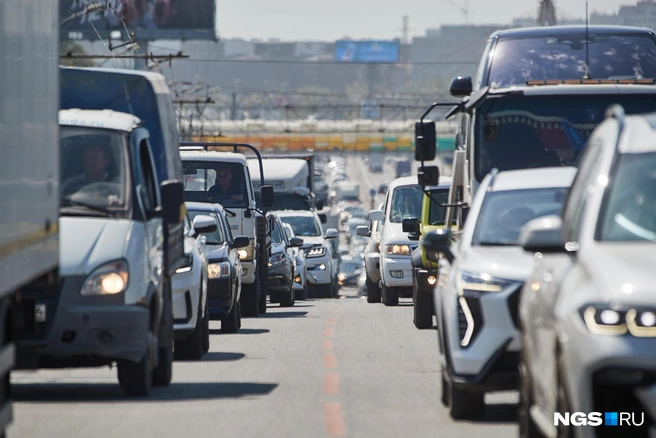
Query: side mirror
[[323, 218], [203, 224], [296, 242], [377, 215], [332, 233], [266, 196], [411, 226], [240, 242], [428, 176], [543, 234], [319, 204], [172, 195], [436, 243], [461, 86], [362, 230], [425, 140]]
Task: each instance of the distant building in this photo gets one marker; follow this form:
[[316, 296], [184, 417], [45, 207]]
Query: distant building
[[642, 14]]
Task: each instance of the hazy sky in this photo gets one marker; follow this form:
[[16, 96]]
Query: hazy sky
[[329, 20]]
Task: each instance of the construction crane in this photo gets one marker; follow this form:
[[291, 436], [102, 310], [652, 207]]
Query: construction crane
[[547, 13], [464, 10]]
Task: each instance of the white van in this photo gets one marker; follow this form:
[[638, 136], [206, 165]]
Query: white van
[[290, 178]]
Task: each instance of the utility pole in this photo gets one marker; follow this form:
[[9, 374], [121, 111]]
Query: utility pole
[[405, 39], [233, 108]]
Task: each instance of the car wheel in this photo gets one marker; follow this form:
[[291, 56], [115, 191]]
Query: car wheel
[[373, 291], [288, 299], [206, 329], [390, 296], [527, 427], [302, 294], [230, 324], [136, 377], [466, 405], [162, 374], [191, 347], [444, 391], [249, 299], [423, 308]]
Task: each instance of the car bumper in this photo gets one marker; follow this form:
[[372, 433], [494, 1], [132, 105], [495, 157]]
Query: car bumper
[[220, 297], [316, 275], [401, 266], [186, 296], [426, 280], [372, 266], [280, 278], [248, 272], [608, 373]]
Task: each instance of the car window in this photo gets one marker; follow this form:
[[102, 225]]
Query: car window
[[629, 211], [503, 214], [437, 213], [543, 131], [303, 225], [406, 203], [517, 60], [215, 181], [215, 238], [276, 237]]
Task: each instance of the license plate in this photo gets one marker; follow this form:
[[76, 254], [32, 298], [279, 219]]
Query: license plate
[[40, 313]]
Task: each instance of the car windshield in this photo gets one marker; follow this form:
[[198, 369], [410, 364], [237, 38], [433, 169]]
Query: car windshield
[[286, 201], [303, 225], [437, 213], [629, 211], [215, 181], [516, 61], [215, 237], [92, 167], [525, 132], [503, 214], [406, 203]]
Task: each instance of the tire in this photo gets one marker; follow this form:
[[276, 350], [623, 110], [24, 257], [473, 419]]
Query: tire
[[288, 299], [527, 427], [249, 299], [423, 308], [373, 291], [390, 296], [163, 373], [444, 391], [466, 405], [302, 294], [136, 378], [232, 322], [191, 347], [206, 329]]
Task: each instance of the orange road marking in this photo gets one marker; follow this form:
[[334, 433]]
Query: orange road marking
[[327, 345], [331, 383], [332, 321], [329, 332], [332, 414], [329, 361]]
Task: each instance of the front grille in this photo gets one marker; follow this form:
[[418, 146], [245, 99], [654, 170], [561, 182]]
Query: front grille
[[613, 390], [474, 307], [513, 305]]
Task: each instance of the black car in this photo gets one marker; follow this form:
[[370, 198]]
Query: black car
[[282, 265], [224, 268], [592, 52]]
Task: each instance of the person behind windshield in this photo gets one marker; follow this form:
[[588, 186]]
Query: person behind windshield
[[225, 187], [404, 208], [96, 163]]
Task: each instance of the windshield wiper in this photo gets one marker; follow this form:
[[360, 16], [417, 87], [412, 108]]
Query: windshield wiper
[[496, 244], [68, 202], [230, 213]]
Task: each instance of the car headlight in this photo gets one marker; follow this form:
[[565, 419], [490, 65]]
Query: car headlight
[[247, 254], [317, 251], [218, 270], [276, 259], [605, 320], [187, 265], [470, 283], [108, 279], [397, 250]]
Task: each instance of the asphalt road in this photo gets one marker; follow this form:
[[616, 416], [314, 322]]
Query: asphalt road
[[322, 368]]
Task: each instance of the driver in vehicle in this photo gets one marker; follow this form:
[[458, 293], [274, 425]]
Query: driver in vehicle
[[96, 169], [225, 187]]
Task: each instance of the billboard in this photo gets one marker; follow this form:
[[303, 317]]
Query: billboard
[[367, 51], [148, 19]]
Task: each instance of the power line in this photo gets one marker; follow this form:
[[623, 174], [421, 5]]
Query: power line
[[299, 62]]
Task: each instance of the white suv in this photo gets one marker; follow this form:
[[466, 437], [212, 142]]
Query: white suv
[[476, 298], [403, 201], [319, 261], [588, 311]]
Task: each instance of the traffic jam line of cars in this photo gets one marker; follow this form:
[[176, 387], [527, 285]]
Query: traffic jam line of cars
[[537, 256]]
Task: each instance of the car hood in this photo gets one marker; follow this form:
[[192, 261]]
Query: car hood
[[394, 234], [312, 240], [624, 272], [216, 252], [86, 243], [507, 262], [277, 248]]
